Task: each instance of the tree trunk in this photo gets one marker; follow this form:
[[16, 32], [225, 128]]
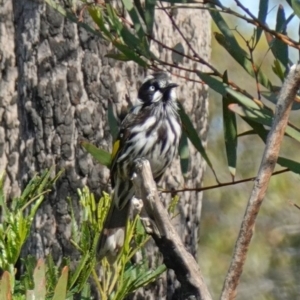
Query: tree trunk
[[55, 86]]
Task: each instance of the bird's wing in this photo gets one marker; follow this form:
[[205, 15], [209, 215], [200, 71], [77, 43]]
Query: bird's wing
[[134, 117]]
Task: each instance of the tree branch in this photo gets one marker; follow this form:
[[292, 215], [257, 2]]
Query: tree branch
[[269, 159], [175, 255]]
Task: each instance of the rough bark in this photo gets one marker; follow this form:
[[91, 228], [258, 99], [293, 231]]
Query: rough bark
[[55, 84]]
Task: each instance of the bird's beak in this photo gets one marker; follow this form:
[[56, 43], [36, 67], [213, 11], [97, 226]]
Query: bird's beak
[[169, 87]]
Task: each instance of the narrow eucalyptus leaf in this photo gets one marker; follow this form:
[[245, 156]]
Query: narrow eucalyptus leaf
[[230, 132], [294, 166], [262, 14], [193, 136], [102, 156], [149, 15], [279, 48]]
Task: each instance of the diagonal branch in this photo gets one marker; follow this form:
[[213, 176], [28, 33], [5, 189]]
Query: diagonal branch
[[269, 159], [175, 255]]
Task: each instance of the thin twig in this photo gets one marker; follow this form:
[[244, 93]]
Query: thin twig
[[269, 159], [254, 21], [195, 53], [175, 255], [216, 186]]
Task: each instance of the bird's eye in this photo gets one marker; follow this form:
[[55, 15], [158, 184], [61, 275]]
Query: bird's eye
[[152, 88]]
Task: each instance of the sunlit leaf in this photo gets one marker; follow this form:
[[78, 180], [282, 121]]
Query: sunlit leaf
[[250, 113], [102, 156]]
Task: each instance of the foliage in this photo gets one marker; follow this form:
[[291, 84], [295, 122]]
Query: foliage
[[45, 280]]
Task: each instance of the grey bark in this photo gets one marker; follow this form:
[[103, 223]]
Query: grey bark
[[55, 85]]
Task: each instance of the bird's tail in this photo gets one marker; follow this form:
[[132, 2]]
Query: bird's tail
[[113, 233]]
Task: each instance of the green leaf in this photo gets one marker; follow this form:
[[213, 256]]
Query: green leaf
[[102, 156], [253, 114], [249, 109], [60, 291], [273, 97], [262, 14], [223, 88], [130, 54], [148, 277], [140, 9], [192, 134], [130, 39], [225, 30], [230, 132], [263, 134], [227, 39], [184, 154], [292, 165], [149, 15], [263, 117], [278, 69], [97, 16], [136, 20], [296, 7], [280, 49], [118, 56]]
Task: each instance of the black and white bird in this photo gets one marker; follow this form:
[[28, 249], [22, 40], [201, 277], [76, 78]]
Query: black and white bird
[[151, 130]]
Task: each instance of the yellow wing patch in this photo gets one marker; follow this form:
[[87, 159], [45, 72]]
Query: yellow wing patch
[[115, 150]]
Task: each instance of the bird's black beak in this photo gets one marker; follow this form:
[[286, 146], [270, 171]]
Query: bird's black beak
[[169, 87]]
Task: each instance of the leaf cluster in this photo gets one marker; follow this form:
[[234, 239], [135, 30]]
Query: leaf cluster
[[46, 280]]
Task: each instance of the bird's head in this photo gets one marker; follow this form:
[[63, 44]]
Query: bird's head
[[157, 87]]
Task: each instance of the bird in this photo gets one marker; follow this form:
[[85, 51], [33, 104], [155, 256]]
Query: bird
[[151, 130]]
